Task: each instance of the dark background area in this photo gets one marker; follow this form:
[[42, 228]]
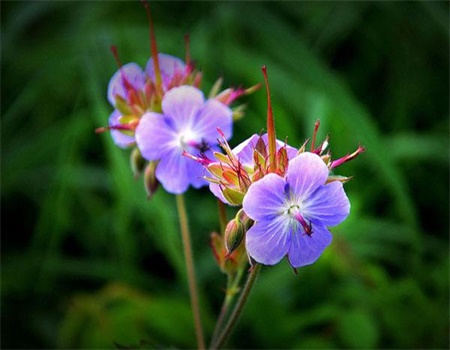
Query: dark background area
[[88, 261]]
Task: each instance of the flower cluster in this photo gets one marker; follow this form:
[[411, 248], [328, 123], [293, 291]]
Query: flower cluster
[[161, 112], [291, 195], [291, 205]]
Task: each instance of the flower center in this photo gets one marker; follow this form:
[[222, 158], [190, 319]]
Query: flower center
[[294, 212], [187, 140]]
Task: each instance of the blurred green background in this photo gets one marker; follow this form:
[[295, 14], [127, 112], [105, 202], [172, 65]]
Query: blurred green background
[[88, 262]]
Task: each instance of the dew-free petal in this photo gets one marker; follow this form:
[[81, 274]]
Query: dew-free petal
[[173, 172], [268, 241], [181, 105], [217, 191], [154, 137], [306, 173], [169, 67], [328, 205], [213, 115], [305, 249], [244, 151], [264, 199], [134, 75]]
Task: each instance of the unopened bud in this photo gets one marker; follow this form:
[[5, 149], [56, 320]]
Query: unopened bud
[[150, 181], [234, 233], [137, 162], [243, 217]]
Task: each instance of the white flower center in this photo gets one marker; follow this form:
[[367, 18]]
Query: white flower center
[[187, 139], [295, 213]]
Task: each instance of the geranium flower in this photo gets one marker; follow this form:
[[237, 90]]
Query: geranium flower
[[292, 213], [189, 124]]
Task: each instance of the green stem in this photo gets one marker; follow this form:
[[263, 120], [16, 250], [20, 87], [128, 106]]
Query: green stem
[[238, 308], [223, 311], [184, 226], [231, 292]]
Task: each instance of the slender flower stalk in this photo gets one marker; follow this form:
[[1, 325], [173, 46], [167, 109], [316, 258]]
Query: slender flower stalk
[[232, 291], [223, 337], [185, 235]]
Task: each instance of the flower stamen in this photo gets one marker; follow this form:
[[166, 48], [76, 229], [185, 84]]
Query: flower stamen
[[295, 213]]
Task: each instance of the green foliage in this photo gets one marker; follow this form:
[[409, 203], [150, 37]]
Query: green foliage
[[89, 262]]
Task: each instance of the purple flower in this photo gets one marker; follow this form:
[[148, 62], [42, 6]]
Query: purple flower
[[292, 213], [189, 124]]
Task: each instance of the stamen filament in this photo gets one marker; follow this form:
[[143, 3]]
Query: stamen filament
[[307, 227]]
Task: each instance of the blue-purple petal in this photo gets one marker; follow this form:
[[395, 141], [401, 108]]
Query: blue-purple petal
[[169, 67], [120, 138], [306, 249], [181, 105], [268, 241], [265, 198], [173, 172], [305, 174], [213, 115], [328, 205], [133, 74], [244, 151], [196, 173], [217, 191], [154, 137]]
